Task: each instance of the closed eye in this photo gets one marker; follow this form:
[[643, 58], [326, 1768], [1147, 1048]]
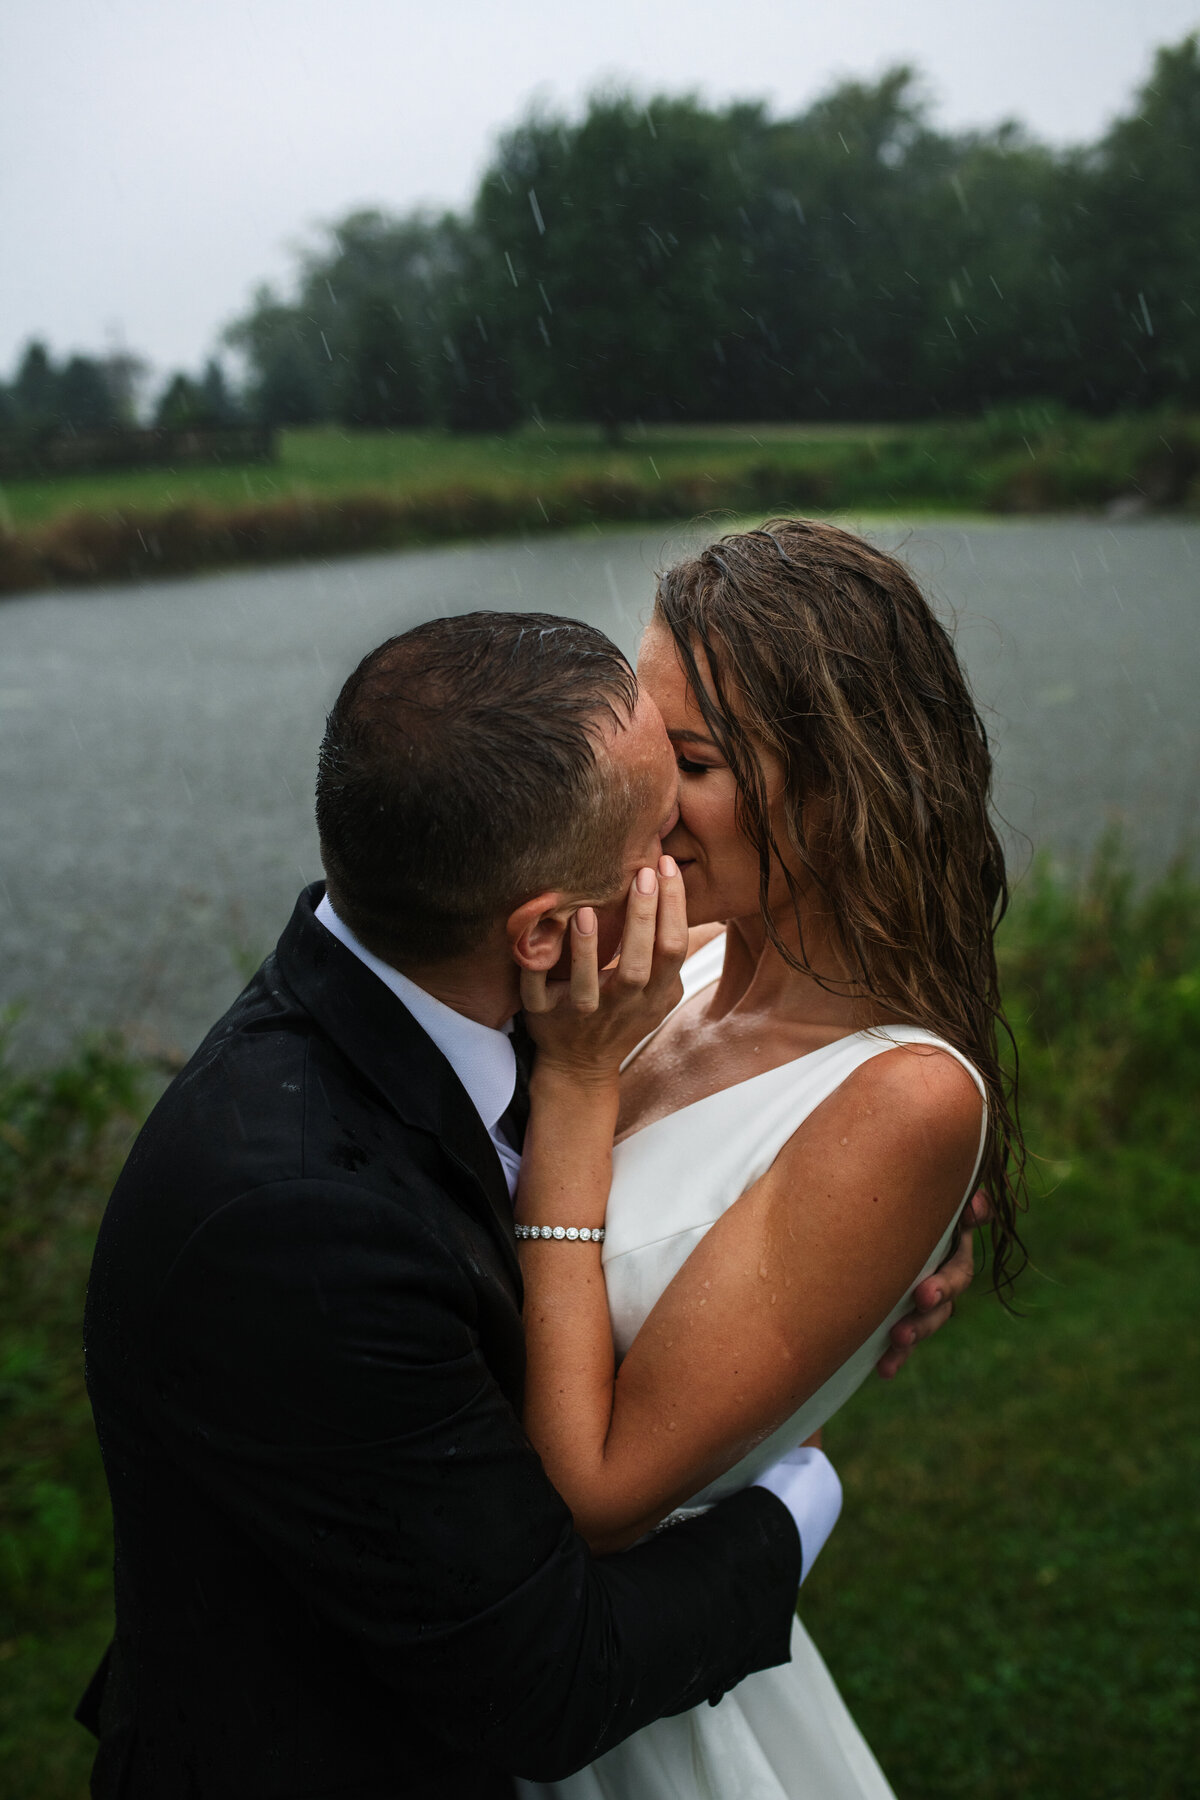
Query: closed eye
[[687, 767]]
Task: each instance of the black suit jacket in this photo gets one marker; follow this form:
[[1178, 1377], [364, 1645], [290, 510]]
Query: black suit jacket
[[340, 1568]]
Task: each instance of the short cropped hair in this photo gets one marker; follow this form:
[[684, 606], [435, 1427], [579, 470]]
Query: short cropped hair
[[458, 777]]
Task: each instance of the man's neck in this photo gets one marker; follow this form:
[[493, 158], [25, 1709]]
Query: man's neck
[[483, 986]]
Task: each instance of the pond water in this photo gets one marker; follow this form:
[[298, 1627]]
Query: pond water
[[158, 743]]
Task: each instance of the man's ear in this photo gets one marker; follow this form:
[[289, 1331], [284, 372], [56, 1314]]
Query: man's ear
[[537, 931]]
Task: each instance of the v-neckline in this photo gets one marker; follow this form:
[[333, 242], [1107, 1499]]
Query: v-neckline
[[731, 1086]]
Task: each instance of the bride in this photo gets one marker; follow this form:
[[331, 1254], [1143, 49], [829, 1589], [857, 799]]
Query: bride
[[796, 1141]]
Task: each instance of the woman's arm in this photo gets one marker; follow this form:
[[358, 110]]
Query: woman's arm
[[782, 1289]]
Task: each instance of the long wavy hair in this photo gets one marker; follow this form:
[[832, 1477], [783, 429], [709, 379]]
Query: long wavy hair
[[806, 641]]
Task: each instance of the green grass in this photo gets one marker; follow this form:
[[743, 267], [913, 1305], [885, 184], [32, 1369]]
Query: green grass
[[334, 494], [62, 1135], [1009, 1603], [328, 460], [1019, 459]]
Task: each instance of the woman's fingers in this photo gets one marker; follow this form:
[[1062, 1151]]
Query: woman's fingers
[[671, 929], [655, 939], [534, 998], [636, 961], [585, 968]]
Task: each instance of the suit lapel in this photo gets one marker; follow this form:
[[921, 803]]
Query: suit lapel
[[375, 1031]]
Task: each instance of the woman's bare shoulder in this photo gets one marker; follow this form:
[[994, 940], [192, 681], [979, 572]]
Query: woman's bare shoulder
[[927, 1080], [911, 1108]]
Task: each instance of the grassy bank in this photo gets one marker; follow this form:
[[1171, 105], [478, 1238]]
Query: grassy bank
[[62, 1136], [1010, 1606], [332, 493], [1009, 1601]]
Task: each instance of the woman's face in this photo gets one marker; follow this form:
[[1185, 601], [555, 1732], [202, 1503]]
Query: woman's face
[[719, 865]]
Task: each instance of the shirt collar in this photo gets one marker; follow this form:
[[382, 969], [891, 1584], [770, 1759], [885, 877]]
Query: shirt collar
[[480, 1056]]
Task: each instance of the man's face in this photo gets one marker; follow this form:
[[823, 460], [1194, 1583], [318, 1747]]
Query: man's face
[[641, 757]]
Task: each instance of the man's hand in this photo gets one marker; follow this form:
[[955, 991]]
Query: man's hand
[[933, 1298]]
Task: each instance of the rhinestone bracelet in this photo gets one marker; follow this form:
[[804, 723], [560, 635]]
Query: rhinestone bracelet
[[570, 1233]]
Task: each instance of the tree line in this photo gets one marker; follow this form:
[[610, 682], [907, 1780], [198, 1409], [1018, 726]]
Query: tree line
[[668, 261], [100, 393]]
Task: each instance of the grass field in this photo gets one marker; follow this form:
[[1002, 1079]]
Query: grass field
[[329, 461], [1010, 1601], [334, 493]]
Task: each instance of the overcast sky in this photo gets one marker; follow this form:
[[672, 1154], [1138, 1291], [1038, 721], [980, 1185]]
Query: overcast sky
[[159, 157]]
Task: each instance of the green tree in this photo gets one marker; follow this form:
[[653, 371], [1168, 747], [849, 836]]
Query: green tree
[[287, 383], [832, 214], [664, 260], [1139, 265], [85, 398], [124, 375], [367, 338], [220, 405], [181, 404], [185, 403], [605, 280], [379, 380], [35, 392]]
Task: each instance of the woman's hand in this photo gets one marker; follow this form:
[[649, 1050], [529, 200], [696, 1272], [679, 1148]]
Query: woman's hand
[[584, 1028]]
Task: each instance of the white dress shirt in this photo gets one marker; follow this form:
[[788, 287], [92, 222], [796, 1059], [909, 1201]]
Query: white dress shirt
[[485, 1063], [480, 1056]]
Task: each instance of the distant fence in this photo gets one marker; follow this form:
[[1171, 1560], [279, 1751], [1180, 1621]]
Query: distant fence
[[86, 452]]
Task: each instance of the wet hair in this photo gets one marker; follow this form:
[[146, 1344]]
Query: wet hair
[[806, 641], [458, 777]]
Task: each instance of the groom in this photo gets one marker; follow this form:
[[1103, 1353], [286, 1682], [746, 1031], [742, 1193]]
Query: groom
[[340, 1569]]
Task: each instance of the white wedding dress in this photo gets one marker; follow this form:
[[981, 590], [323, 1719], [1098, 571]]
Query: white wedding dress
[[783, 1733]]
